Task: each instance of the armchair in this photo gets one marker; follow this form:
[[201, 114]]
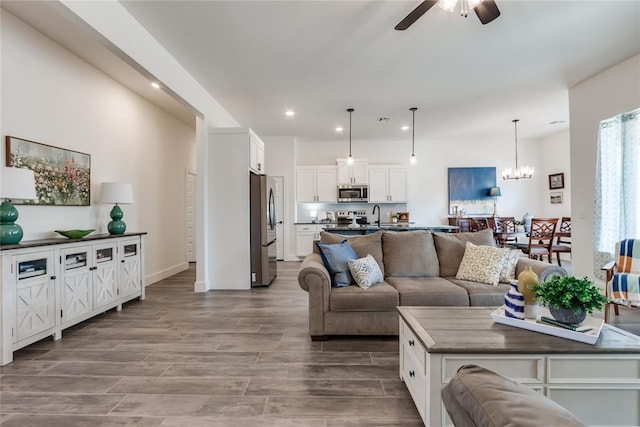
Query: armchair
[[623, 277]]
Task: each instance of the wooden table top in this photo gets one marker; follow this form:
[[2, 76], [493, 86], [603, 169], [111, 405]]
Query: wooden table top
[[472, 330]]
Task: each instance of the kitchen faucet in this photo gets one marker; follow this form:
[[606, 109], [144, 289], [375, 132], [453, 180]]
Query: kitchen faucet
[[374, 212]]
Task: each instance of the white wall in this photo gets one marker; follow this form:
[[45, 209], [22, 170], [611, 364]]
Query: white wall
[[51, 96], [280, 155], [428, 178], [604, 95], [555, 151]]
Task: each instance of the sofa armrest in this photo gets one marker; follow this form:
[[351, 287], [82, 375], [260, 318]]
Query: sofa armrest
[[544, 270], [314, 278]]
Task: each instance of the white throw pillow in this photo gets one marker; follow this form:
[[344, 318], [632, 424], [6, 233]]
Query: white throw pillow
[[508, 272], [365, 271], [481, 264]]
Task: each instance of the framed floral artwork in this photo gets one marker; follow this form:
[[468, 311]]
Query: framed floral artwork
[[63, 177]]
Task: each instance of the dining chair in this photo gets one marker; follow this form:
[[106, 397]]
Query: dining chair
[[541, 237], [563, 238], [623, 277], [464, 224], [502, 227], [479, 224]]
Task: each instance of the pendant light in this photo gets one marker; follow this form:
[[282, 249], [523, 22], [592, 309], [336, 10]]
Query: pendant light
[[413, 158], [350, 158], [520, 172]]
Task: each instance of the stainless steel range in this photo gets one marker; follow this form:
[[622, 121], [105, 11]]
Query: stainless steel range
[[346, 217]]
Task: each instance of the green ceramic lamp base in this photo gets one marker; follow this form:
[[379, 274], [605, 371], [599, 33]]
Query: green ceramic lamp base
[[116, 226], [10, 233]]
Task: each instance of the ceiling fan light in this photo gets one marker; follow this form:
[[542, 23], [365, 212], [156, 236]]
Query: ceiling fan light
[[474, 3], [448, 5]]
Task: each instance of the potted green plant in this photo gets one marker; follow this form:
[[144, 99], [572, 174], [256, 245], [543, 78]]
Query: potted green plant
[[569, 299]]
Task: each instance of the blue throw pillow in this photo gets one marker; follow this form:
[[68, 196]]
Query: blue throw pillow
[[335, 258]]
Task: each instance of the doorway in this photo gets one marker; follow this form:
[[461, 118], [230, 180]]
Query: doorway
[[278, 192], [190, 215]]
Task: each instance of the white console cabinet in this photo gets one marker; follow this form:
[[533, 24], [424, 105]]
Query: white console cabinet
[[49, 285]]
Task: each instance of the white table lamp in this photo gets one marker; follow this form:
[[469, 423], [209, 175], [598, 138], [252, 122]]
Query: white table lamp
[[15, 183], [116, 192]]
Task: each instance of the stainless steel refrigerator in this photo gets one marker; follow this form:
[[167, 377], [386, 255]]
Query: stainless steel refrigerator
[[263, 231]]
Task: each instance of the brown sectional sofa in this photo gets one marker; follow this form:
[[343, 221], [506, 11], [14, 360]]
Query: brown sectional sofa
[[419, 269]]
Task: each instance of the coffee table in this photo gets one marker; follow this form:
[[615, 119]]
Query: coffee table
[[598, 383]]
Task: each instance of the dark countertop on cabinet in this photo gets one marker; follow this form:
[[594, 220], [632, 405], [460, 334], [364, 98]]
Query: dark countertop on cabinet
[[62, 240]]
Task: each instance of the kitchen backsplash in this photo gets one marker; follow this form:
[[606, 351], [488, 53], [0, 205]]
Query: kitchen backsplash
[[306, 211]]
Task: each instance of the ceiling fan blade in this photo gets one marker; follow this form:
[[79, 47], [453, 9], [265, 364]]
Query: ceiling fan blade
[[415, 14], [487, 11]]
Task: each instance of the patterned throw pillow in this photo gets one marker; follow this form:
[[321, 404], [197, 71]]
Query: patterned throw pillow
[[481, 264], [365, 271], [508, 272]]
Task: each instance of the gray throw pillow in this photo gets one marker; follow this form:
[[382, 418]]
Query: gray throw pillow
[[363, 245]]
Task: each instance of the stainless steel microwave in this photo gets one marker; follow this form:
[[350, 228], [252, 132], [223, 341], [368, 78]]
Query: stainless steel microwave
[[348, 193]]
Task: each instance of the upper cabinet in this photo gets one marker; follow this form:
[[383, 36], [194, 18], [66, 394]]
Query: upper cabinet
[[388, 184], [316, 184], [256, 154], [355, 173]]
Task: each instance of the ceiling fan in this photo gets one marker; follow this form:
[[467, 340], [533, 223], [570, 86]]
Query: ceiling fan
[[486, 10]]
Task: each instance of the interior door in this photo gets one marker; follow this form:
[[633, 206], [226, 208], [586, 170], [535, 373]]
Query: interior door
[[278, 191]]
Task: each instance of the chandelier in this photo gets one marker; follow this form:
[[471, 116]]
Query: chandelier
[[519, 172], [465, 5]]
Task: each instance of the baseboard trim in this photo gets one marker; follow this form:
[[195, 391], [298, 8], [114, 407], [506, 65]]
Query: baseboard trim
[[200, 287], [156, 277]]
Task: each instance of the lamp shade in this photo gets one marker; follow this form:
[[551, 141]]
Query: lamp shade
[[495, 192], [18, 183], [116, 192]]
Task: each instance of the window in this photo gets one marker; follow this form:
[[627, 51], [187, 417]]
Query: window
[[617, 185]]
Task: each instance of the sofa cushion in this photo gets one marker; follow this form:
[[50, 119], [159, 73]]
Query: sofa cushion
[[482, 295], [482, 264], [334, 257], [476, 396], [450, 248], [363, 245], [381, 297], [428, 291], [409, 254], [365, 271]]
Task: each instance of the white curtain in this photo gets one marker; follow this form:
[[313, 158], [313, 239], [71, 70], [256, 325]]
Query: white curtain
[[616, 185]]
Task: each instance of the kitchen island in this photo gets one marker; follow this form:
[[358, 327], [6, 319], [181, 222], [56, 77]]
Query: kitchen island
[[350, 230]]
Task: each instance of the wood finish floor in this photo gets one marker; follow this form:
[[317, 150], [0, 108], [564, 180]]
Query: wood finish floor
[[225, 358]]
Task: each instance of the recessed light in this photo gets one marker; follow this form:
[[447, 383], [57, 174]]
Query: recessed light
[[405, 127], [289, 113], [339, 129], [155, 85]]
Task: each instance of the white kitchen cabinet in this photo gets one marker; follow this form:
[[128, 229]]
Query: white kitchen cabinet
[[305, 235], [388, 184], [355, 173], [256, 154], [51, 284], [316, 184]]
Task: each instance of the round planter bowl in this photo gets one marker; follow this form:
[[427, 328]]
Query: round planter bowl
[[74, 234], [566, 315]]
